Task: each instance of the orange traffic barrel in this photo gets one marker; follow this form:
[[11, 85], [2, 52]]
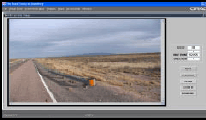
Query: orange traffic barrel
[[92, 82]]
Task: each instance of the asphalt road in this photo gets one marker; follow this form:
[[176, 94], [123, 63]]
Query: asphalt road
[[26, 85]]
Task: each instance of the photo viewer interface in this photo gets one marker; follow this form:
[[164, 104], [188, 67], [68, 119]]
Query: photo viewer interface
[[103, 59]]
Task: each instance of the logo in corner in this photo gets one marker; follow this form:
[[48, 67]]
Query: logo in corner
[[3, 3], [198, 8]]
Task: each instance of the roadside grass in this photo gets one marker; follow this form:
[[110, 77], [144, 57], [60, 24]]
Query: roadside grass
[[109, 68]]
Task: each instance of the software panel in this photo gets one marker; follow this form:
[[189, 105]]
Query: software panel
[[103, 59]]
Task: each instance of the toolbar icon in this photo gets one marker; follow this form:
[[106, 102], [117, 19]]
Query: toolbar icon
[[3, 3]]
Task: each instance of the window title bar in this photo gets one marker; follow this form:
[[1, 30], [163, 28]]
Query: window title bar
[[103, 4]]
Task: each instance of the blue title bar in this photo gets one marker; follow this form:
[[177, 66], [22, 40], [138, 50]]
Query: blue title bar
[[103, 4]]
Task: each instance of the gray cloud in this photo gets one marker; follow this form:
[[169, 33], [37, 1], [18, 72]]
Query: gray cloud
[[64, 37]]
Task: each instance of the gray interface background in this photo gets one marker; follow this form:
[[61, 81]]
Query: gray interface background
[[176, 35]]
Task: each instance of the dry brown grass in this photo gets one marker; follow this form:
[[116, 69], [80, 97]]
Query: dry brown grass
[[113, 69], [14, 60]]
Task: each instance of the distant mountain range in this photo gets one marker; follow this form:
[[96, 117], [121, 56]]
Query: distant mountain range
[[91, 54], [98, 54], [95, 54]]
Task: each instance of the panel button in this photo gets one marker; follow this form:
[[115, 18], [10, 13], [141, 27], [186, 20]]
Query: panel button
[[188, 93], [188, 69], [188, 81]]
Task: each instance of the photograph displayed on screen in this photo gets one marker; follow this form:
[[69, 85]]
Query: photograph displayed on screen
[[84, 60]]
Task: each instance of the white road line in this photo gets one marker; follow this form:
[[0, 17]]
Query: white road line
[[49, 92]]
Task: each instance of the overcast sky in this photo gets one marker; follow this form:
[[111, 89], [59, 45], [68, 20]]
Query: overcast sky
[[30, 38]]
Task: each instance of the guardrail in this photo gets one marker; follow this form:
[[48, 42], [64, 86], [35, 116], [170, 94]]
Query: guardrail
[[86, 82]]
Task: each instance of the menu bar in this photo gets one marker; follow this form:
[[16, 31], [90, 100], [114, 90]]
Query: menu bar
[[39, 9]]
